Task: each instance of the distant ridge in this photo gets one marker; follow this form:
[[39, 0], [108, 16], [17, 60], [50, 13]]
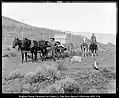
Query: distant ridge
[[12, 28]]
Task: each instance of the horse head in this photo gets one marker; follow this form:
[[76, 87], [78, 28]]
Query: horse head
[[15, 42], [35, 43]]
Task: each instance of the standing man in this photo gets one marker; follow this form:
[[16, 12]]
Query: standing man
[[52, 43]]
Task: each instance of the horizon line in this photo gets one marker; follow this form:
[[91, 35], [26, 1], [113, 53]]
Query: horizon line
[[55, 29]]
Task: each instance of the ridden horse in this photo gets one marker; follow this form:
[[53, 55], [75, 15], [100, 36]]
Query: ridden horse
[[25, 46], [93, 48], [84, 48]]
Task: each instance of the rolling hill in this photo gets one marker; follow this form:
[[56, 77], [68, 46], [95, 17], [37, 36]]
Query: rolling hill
[[12, 28]]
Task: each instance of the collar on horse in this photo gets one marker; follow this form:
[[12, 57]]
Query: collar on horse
[[84, 44]]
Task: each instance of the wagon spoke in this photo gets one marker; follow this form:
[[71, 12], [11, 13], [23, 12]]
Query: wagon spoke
[[71, 48]]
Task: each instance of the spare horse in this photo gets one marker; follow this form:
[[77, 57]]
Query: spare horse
[[84, 48]]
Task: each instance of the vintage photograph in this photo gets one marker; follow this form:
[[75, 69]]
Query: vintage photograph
[[59, 48]]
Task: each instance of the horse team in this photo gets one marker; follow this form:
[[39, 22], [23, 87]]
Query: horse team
[[43, 47]]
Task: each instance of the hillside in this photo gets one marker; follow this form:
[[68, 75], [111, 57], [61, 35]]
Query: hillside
[[12, 28]]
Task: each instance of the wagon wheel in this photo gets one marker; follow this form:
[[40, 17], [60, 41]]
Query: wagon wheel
[[71, 48]]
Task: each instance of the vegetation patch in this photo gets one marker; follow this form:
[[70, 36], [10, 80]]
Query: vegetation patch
[[13, 54], [49, 79]]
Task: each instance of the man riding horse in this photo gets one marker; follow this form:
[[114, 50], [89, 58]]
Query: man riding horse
[[93, 46], [93, 38]]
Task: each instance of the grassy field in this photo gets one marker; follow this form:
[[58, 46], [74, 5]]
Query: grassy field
[[61, 76]]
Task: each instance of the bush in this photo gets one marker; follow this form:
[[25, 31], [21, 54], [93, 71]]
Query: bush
[[45, 73], [12, 86], [61, 66], [108, 74], [6, 55], [52, 72], [13, 54], [55, 88], [66, 85], [72, 87], [30, 77], [8, 49], [26, 88], [13, 75]]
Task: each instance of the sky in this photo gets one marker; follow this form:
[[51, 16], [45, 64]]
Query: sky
[[76, 17]]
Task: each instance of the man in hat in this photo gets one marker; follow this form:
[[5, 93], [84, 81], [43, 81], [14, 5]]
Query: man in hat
[[52, 43], [93, 38]]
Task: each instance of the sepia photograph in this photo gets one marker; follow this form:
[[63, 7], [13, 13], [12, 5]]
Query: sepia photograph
[[59, 48]]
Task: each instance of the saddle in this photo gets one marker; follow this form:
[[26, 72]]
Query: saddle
[[93, 43]]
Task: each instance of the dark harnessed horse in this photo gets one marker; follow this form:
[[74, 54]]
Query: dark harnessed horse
[[25, 46], [93, 48], [44, 47]]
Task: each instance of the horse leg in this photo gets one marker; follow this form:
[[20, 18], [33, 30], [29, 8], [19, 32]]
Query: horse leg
[[45, 52], [53, 55], [40, 54], [18, 48], [84, 52], [35, 53], [26, 56], [22, 57], [92, 53], [35, 56], [32, 55], [95, 52]]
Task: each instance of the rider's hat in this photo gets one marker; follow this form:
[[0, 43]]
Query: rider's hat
[[52, 38]]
